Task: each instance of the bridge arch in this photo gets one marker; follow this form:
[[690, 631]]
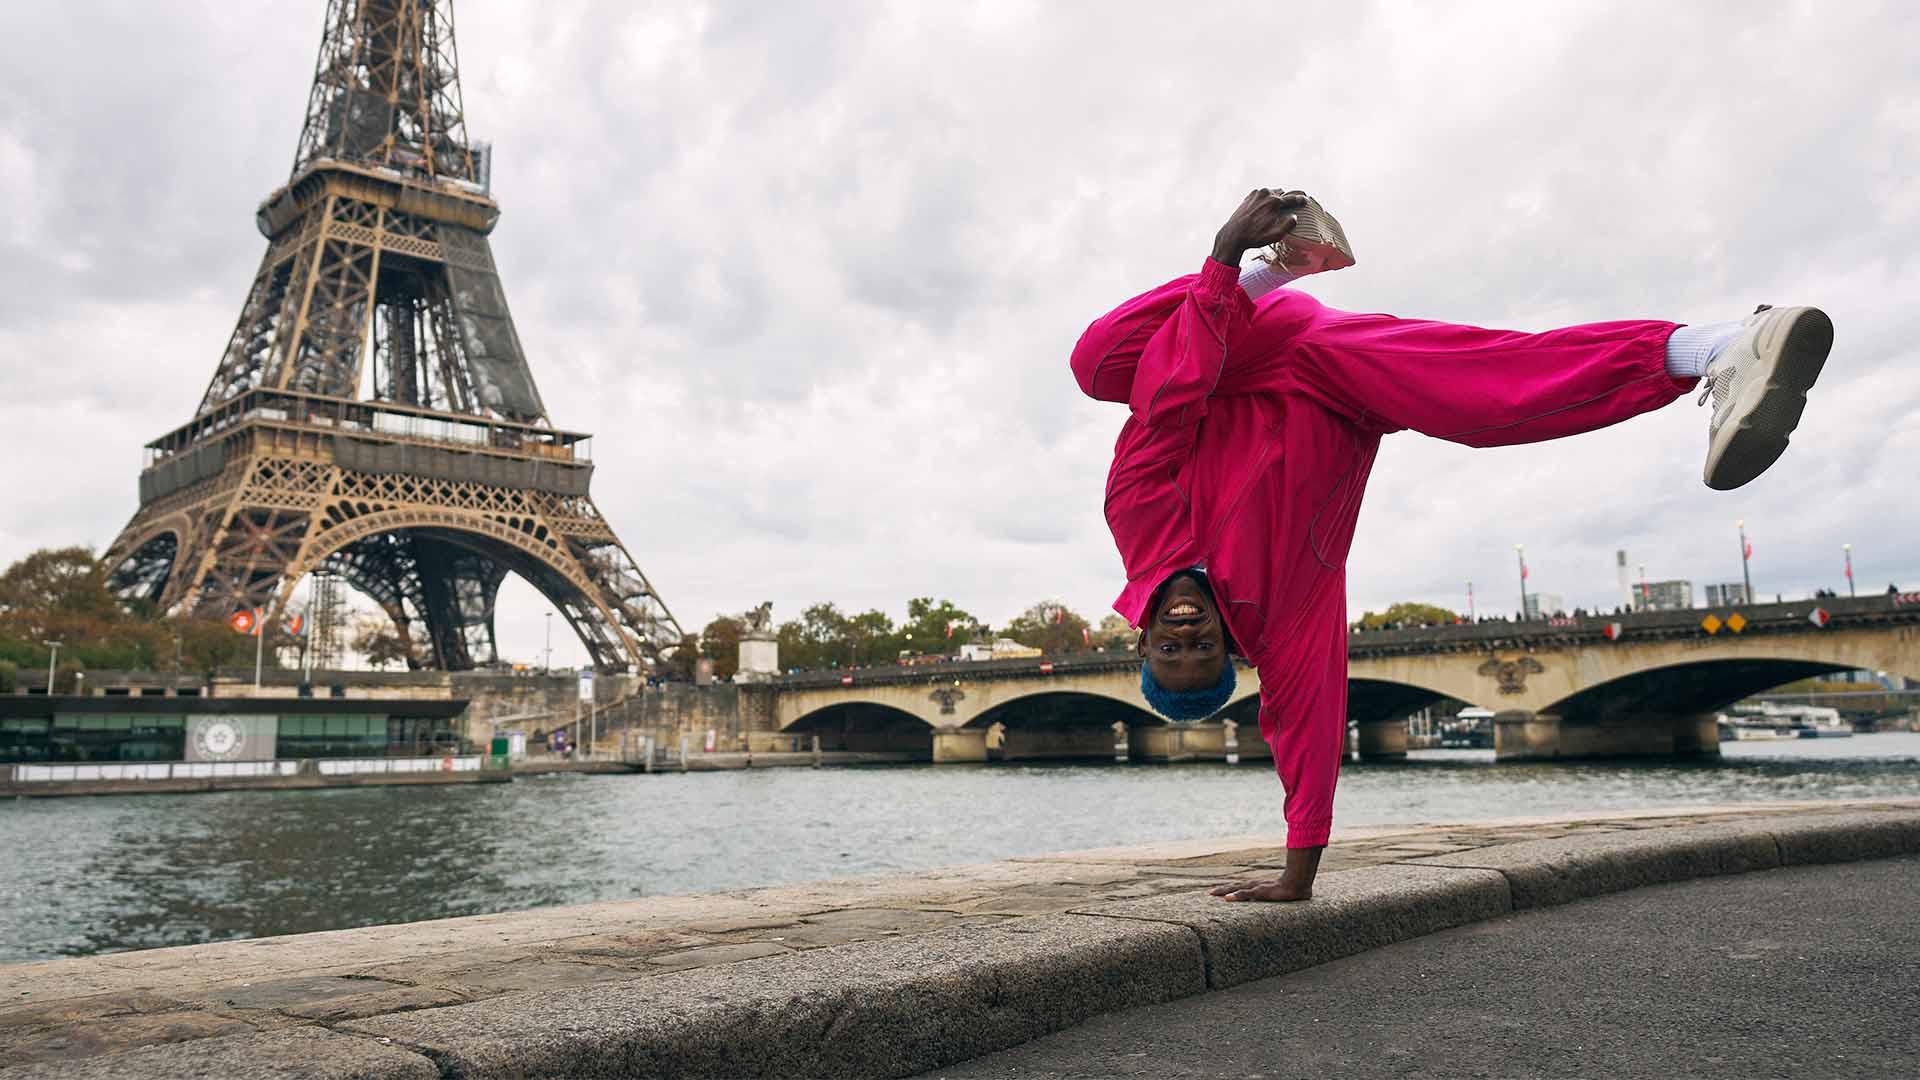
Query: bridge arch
[[1372, 701], [1052, 708], [866, 726], [1368, 701], [478, 551], [1051, 723], [1688, 688]]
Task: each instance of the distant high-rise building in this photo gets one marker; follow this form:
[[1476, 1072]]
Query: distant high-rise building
[[1730, 594], [1673, 595], [1542, 604]]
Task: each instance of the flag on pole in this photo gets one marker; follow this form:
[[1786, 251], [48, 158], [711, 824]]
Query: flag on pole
[[949, 627], [1849, 567], [1086, 636], [1523, 568], [1746, 549]]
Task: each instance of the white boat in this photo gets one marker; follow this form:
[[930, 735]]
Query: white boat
[[1772, 720], [1741, 729]]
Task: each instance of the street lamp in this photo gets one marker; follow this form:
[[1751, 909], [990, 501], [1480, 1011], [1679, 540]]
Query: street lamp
[[51, 661], [547, 665], [1848, 550], [1746, 576], [1520, 550], [265, 614], [1470, 615]]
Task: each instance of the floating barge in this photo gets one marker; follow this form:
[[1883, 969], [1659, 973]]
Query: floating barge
[[98, 745]]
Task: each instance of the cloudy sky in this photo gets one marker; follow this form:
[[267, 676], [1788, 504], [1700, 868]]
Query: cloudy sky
[[811, 272]]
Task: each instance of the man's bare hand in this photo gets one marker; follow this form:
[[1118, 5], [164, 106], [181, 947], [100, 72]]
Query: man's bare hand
[[1294, 883], [1275, 889], [1262, 219]]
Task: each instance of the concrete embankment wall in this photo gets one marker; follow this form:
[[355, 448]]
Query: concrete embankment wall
[[862, 977], [524, 702]]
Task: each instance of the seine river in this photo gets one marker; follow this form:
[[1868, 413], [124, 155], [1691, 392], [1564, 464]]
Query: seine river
[[101, 874]]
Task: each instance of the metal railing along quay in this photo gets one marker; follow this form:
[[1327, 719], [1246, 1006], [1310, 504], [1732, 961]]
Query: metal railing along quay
[[76, 772]]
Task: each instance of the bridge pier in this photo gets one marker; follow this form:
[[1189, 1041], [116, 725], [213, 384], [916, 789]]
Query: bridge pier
[[1168, 744], [952, 745], [1382, 740], [1086, 742], [1525, 736]]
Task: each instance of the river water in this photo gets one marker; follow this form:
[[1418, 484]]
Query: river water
[[102, 874]]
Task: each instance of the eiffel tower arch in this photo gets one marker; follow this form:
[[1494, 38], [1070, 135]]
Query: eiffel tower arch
[[373, 414]]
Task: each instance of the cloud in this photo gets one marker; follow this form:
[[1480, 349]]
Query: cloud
[[811, 273]]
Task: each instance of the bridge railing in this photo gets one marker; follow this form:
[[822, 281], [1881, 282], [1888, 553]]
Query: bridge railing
[[1794, 616], [1790, 617]]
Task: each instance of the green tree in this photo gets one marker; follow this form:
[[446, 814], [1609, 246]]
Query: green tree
[[208, 645], [720, 643], [61, 594], [54, 588], [1051, 627], [939, 627], [817, 639], [1407, 614], [679, 667], [870, 638], [378, 641], [1114, 635]]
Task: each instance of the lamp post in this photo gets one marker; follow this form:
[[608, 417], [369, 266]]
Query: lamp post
[[1646, 599], [260, 640], [1520, 550], [1746, 576], [546, 666], [1847, 549], [306, 636], [51, 661], [1470, 616]]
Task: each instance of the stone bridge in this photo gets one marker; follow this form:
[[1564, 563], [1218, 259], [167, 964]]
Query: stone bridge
[[1600, 685]]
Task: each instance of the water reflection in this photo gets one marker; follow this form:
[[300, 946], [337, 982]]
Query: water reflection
[[104, 874]]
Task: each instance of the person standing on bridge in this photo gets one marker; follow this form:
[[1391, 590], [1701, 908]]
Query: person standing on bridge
[[1255, 416]]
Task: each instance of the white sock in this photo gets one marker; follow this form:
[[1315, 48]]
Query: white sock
[[1262, 278], [1691, 348]]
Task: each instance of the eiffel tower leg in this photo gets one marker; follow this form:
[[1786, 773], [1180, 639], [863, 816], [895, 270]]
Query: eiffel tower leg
[[639, 614], [461, 586], [384, 569]]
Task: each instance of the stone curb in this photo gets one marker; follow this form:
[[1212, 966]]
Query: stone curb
[[872, 1008], [898, 1006]]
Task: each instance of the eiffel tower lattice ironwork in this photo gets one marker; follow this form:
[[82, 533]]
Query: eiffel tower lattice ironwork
[[374, 415]]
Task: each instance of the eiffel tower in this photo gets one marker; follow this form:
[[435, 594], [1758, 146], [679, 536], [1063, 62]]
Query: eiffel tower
[[374, 416]]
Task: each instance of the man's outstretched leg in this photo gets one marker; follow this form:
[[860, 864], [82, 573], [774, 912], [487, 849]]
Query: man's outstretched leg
[[1483, 387]]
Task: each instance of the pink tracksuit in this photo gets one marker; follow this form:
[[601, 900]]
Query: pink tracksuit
[[1253, 429]]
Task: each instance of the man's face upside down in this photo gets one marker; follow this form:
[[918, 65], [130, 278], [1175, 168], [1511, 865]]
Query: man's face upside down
[[1184, 641]]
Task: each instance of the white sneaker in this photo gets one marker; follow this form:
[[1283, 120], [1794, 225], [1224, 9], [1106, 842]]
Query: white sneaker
[[1759, 384]]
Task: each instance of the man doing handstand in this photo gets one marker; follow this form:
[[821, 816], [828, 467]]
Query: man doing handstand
[[1256, 414]]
